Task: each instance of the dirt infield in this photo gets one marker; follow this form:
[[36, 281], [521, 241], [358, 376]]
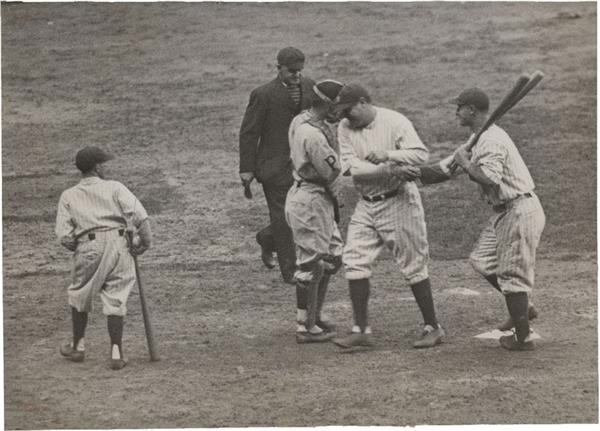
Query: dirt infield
[[164, 86]]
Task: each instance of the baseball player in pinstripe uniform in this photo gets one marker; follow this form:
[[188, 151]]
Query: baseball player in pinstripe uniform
[[311, 208], [505, 251], [379, 149], [91, 221]]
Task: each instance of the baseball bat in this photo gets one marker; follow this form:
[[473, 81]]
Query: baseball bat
[[145, 312], [536, 77], [508, 102]]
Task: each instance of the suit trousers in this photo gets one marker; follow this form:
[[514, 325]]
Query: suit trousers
[[277, 236]]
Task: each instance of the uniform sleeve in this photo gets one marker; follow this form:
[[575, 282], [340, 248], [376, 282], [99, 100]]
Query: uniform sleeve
[[410, 149], [490, 156], [133, 210], [351, 164], [65, 227], [250, 131], [323, 158]]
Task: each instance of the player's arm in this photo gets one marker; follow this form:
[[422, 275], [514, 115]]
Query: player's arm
[[409, 149], [136, 215], [323, 158], [65, 228], [487, 169], [353, 166], [250, 131]]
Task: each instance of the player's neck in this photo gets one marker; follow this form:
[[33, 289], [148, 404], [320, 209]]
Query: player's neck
[[478, 121]]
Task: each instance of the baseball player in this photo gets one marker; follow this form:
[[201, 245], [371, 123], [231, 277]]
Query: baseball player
[[311, 208], [379, 148], [505, 251], [91, 221]]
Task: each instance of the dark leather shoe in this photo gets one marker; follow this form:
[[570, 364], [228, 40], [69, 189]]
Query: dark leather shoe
[[117, 364], [510, 342], [71, 354], [266, 255]]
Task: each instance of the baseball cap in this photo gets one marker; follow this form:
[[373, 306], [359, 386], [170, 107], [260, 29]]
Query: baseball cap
[[350, 95], [90, 156], [327, 89], [473, 96], [291, 57]]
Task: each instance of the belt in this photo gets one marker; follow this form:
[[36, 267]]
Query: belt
[[92, 236], [506, 205], [382, 196]]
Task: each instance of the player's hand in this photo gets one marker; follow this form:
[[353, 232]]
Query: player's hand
[[462, 158], [69, 243], [405, 172], [377, 157], [246, 177], [139, 250]]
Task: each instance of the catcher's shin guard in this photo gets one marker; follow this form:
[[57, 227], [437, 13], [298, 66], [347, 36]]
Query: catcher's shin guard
[[308, 276]]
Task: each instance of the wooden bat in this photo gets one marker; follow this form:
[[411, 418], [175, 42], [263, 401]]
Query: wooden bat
[[145, 312], [536, 77]]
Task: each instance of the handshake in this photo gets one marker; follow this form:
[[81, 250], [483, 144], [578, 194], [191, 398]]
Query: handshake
[[403, 172]]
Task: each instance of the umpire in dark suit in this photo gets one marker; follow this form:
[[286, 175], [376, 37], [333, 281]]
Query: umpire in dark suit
[[265, 151]]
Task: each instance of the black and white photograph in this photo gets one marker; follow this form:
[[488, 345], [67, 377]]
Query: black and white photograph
[[299, 214]]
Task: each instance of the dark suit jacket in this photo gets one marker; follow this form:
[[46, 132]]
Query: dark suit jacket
[[264, 146]]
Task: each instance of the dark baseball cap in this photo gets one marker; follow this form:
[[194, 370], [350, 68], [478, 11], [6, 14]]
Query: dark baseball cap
[[291, 57], [90, 156], [350, 95], [473, 96], [327, 89]]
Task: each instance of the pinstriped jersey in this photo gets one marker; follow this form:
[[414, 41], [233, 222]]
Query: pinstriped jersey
[[390, 131], [95, 203], [497, 156]]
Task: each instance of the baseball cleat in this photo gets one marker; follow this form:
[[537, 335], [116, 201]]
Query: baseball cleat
[[509, 324], [71, 354], [510, 342], [309, 337], [430, 337], [355, 342], [327, 326], [117, 364]]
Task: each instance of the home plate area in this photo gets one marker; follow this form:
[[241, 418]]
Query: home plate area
[[496, 334]]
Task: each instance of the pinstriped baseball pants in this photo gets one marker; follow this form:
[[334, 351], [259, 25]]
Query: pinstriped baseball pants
[[507, 246], [397, 223]]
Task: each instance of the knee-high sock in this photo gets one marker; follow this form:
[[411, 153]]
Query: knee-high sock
[[518, 304], [312, 295], [321, 293], [424, 298], [301, 297], [80, 320], [115, 331], [359, 295], [493, 280]]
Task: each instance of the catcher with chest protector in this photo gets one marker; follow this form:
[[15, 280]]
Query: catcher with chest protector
[[312, 210]]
